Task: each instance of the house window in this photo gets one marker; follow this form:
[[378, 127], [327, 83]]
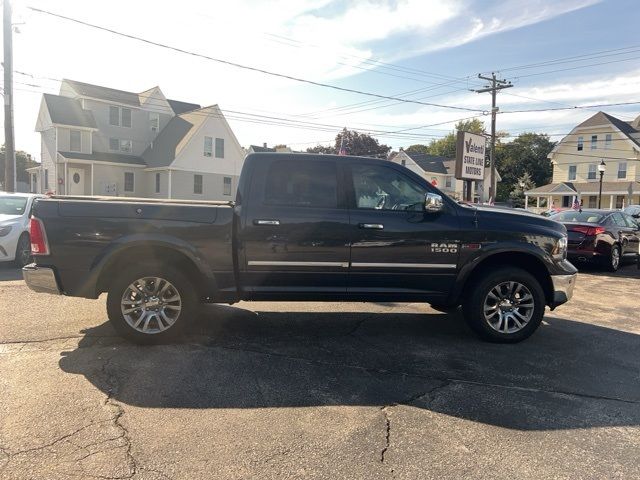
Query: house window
[[126, 146], [154, 121], [594, 142], [572, 172], [622, 170], [219, 147], [620, 201], [404, 162], [126, 117], [197, 184], [208, 146], [128, 181], [607, 141], [120, 116], [114, 144], [593, 201], [157, 183], [580, 143], [46, 179], [227, 186], [75, 140], [592, 172], [447, 182], [114, 116]]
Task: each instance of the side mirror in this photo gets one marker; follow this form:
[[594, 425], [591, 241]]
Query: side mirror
[[433, 203], [636, 215]]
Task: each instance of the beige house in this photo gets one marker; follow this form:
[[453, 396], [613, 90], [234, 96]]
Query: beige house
[[576, 158], [102, 141], [440, 171]]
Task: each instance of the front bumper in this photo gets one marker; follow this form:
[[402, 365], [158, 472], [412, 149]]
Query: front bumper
[[41, 279], [563, 286]]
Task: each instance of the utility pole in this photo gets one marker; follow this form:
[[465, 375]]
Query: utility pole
[[495, 85], [9, 147]]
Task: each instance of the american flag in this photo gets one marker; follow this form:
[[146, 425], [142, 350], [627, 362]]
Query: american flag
[[576, 204]]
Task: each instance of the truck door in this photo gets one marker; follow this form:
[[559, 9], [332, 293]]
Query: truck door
[[295, 230], [396, 246]]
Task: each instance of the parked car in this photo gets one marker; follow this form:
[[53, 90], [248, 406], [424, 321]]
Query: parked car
[[553, 211], [634, 211], [303, 227], [603, 237], [15, 209]]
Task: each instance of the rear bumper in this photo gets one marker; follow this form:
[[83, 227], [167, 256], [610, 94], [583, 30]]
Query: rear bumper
[[563, 286], [41, 279]]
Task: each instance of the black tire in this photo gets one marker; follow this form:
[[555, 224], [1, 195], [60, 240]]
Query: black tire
[[180, 283], [477, 293], [24, 246], [611, 265]]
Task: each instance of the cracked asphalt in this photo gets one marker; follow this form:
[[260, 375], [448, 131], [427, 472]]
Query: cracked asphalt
[[313, 390]]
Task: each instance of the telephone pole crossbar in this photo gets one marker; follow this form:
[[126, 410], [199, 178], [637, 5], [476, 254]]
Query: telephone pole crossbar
[[495, 86]]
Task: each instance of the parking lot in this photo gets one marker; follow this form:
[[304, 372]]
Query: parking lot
[[311, 390]]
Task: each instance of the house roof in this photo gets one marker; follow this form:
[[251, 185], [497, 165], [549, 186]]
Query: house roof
[[625, 127], [179, 107], [104, 93], [432, 163], [258, 149], [68, 111], [104, 157], [121, 96], [174, 137], [585, 188]]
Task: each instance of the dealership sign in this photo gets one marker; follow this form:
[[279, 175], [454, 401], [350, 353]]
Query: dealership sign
[[470, 150]]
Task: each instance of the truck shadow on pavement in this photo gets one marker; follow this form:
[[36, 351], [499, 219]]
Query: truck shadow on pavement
[[568, 375]]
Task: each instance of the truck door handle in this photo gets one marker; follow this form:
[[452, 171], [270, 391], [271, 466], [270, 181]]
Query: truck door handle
[[266, 222], [372, 226]]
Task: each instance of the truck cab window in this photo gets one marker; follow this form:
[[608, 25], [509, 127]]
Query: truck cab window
[[302, 184], [383, 188]]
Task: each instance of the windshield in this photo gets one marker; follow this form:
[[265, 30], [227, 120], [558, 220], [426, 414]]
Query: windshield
[[576, 216], [12, 205]]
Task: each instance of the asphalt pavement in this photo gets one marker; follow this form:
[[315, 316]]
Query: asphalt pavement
[[320, 390]]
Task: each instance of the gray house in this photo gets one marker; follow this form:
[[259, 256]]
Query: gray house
[[101, 141]]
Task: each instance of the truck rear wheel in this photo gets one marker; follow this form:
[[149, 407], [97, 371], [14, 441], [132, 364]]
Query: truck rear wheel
[[504, 306], [151, 305]]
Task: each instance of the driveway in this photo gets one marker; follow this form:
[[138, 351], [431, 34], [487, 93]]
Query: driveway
[[313, 390]]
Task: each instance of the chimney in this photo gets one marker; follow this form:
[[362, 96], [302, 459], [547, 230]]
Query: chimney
[[264, 144]]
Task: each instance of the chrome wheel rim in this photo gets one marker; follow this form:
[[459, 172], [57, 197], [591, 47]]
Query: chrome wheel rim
[[151, 305], [615, 258], [508, 307]]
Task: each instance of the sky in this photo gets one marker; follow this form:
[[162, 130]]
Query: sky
[[420, 50]]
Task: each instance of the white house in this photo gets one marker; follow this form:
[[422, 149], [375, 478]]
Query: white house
[[102, 141], [601, 138], [440, 171]]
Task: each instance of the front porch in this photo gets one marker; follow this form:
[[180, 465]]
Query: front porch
[[615, 195]]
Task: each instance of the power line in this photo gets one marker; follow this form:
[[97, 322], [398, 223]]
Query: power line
[[245, 67]]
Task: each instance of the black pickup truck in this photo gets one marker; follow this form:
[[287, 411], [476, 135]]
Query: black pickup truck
[[302, 228]]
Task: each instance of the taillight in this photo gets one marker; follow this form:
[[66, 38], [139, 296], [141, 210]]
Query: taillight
[[588, 231], [39, 245]]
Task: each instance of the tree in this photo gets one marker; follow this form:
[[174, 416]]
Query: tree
[[523, 184], [356, 143], [527, 153], [23, 161], [446, 146], [322, 149], [418, 148]]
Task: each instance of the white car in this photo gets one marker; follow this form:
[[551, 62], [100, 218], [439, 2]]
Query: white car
[[15, 244]]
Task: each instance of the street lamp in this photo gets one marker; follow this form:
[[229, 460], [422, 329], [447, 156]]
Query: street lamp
[[601, 168]]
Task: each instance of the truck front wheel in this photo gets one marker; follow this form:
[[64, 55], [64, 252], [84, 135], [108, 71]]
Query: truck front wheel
[[505, 305], [151, 305]]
